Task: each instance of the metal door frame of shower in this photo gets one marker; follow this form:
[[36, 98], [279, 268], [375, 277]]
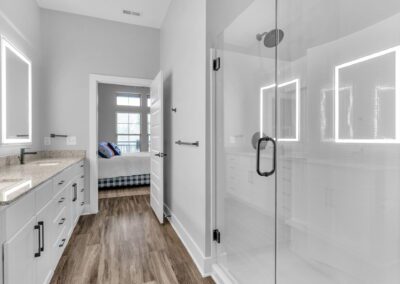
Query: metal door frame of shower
[[217, 272]]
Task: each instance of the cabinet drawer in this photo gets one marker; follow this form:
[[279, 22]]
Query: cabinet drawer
[[79, 169], [61, 200], [61, 222], [19, 213], [43, 195], [60, 244], [61, 180]]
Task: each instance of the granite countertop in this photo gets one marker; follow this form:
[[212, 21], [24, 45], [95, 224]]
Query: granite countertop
[[30, 175]]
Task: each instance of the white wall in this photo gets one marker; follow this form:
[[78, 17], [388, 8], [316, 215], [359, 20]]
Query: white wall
[[76, 46], [20, 23], [183, 59]]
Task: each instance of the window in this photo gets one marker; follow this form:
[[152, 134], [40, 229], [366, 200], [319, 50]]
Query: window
[[128, 132], [148, 101], [128, 99]]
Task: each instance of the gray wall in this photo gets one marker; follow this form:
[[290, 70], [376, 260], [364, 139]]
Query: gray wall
[[183, 60], [20, 23], [76, 46], [108, 108]]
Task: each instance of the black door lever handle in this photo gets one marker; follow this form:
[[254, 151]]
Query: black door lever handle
[[266, 139]]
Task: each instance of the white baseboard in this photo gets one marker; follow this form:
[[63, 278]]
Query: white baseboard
[[204, 264], [219, 276]]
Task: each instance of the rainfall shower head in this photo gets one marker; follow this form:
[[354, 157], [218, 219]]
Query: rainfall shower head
[[272, 38]]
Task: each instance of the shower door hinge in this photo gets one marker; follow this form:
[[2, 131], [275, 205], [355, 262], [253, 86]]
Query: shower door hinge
[[217, 63], [217, 236]]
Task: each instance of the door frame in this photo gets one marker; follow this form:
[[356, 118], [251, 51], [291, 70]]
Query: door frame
[[94, 81]]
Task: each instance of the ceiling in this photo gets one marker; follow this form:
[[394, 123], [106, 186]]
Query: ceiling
[[306, 23], [152, 11]]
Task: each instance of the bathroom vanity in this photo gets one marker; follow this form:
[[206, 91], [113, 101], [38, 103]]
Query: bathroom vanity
[[40, 204]]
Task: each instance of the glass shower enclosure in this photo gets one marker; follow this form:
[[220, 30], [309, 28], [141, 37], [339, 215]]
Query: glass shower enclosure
[[308, 143]]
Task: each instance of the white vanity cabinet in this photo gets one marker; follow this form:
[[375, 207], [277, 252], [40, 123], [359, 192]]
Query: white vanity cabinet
[[36, 228]]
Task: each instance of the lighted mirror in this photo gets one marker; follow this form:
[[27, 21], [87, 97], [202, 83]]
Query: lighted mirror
[[288, 110], [367, 103], [16, 95]]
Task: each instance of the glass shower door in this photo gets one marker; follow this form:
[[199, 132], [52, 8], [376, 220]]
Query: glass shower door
[[338, 181], [245, 102]]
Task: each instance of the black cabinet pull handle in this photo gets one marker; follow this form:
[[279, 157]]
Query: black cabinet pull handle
[[83, 189], [82, 203], [61, 182], [266, 139], [62, 221], [82, 176], [75, 187], [61, 200], [62, 243], [41, 225], [37, 227]]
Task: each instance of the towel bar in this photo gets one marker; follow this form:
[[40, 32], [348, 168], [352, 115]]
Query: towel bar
[[57, 135], [179, 142]]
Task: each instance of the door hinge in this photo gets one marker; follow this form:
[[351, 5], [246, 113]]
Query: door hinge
[[217, 236], [217, 63]]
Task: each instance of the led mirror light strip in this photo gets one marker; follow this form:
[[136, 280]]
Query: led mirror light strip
[[5, 46], [297, 84], [395, 50]]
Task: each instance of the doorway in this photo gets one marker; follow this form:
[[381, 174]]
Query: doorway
[[123, 86]]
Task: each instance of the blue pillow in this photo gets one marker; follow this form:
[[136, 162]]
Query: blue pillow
[[105, 151], [115, 148]]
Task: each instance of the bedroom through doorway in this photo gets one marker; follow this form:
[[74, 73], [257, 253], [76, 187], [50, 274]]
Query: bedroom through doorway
[[126, 139], [123, 140]]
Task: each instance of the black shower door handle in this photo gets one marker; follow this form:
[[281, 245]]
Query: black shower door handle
[[266, 139]]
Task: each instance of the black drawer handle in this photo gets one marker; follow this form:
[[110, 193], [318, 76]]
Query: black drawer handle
[[82, 203], [61, 200], [61, 182], [75, 188], [82, 176], [83, 189], [82, 166], [37, 227], [62, 221], [41, 225], [62, 243]]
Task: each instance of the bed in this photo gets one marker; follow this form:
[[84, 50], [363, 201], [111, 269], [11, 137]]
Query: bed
[[127, 170]]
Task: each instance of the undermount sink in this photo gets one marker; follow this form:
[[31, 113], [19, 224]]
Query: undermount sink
[[47, 163], [5, 183], [10, 188]]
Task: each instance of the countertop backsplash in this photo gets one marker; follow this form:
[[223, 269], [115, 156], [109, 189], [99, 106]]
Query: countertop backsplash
[[14, 160]]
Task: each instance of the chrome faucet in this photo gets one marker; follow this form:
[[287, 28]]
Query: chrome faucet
[[22, 155]]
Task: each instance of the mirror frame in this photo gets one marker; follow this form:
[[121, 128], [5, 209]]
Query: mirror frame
[[6, 45]]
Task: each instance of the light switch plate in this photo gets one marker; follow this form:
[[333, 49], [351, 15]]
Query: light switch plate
[[47, 141], [71, 140]]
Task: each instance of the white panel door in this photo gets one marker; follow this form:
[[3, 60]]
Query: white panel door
[[157, 148]]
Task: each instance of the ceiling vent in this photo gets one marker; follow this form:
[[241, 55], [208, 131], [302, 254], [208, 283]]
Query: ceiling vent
[[132, 13]]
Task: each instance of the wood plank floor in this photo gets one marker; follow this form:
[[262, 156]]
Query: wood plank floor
[[124, 243], [122, 192]]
